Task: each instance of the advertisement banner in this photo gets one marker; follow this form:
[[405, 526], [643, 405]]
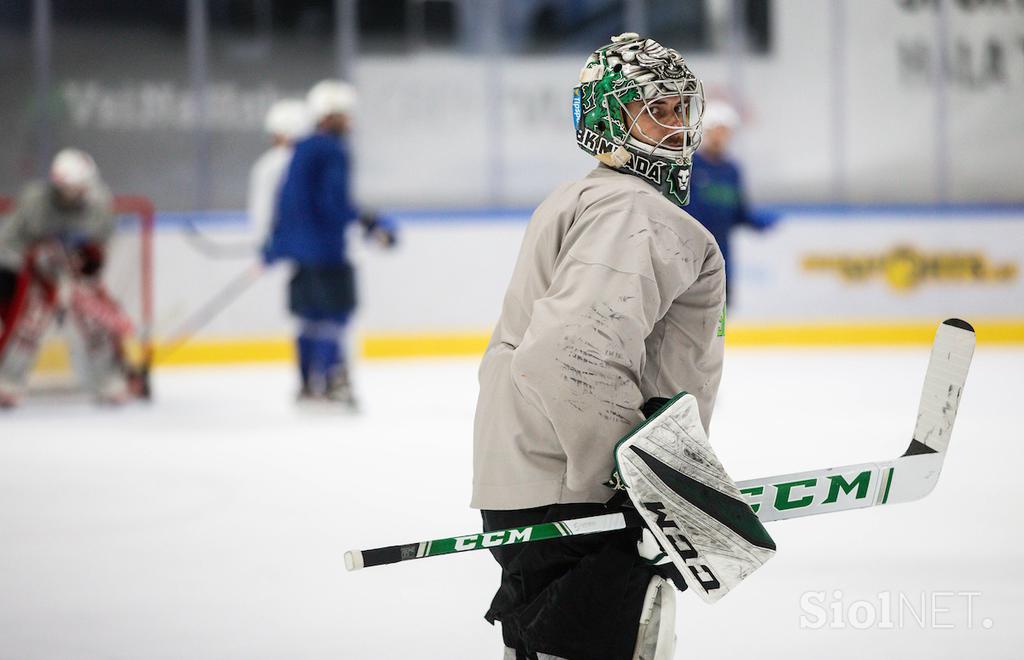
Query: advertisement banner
[[878, 265]]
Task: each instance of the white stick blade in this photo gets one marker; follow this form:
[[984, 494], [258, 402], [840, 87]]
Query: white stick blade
[[943, 384], [916, 473], [913, 477]]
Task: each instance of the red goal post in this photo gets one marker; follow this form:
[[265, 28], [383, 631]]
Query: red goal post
[[128, 276]]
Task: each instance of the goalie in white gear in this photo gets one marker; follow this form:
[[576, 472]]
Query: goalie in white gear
[[51, 258], [618, 297]]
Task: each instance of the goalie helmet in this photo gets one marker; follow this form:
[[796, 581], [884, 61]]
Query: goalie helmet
[[638, 109]]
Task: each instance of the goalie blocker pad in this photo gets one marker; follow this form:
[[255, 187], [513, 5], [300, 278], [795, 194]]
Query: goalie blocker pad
[[689, 502]]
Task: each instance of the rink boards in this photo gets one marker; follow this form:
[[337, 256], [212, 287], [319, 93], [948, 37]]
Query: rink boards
[[821, 276]]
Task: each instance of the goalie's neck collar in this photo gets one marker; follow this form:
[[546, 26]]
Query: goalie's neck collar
[[670, 178]]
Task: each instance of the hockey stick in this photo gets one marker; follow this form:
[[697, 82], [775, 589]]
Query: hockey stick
[[219, 249], [909, 477], [212, 307]]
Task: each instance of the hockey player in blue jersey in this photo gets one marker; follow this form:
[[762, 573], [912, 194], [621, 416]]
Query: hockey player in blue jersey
[[312, 216], [717, 197]]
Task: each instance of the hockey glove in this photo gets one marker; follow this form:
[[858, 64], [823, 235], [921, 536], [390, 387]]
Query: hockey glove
[[648, 547], [382, 231], [689, 502], [88, 259]]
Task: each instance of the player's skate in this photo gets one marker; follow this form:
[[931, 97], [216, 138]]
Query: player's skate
[[8, 396], [306, 393], [114, 391], [339, 390]]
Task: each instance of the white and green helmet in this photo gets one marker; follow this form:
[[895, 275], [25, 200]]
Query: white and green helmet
[[653, 139]]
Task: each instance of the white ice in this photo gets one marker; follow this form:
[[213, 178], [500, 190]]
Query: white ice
[[212, 523]]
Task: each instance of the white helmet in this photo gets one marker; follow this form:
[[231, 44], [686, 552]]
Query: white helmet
[[288, 118], [73, 168], [329, 97], [720, 113]]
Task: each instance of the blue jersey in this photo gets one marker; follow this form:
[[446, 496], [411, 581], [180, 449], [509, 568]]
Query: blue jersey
[[314, 207], [716, 199]]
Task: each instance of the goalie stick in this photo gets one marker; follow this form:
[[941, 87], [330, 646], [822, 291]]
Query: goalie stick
[[906, 478]]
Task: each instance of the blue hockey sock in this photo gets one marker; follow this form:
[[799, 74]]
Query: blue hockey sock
[[305, 347], [321, 349]]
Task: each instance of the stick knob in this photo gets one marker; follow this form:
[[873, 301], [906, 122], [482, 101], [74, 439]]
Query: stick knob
[[353, 560]]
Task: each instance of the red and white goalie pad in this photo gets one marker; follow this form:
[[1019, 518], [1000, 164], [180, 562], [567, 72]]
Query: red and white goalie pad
[[97, 313], [26, 318], [688, 501], [100, 327]]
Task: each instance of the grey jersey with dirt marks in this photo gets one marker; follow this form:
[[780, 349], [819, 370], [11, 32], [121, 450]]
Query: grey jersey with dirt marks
[[617, 296], [38, 218]]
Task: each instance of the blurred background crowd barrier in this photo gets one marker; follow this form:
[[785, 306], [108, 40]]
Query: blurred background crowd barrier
[[885, 134]]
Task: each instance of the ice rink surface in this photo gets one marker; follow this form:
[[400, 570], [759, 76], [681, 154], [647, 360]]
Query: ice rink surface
[[212, 522]]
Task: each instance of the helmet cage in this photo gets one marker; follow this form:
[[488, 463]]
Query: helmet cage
[[684, 121]]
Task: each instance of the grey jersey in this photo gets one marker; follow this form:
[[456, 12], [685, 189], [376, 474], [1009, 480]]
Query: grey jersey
[[38, 218], [617, 296]]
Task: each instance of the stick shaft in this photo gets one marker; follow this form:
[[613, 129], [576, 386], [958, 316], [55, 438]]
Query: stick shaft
[[356, 559], [819, 491], [211, 308]]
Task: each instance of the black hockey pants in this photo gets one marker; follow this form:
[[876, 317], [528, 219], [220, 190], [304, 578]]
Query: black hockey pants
[[578, 598]]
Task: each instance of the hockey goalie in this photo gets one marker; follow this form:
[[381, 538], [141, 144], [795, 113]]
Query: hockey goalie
[[51, 261]]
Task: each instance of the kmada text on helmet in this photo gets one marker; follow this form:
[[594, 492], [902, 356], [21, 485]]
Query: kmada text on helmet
[[638, 109]]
